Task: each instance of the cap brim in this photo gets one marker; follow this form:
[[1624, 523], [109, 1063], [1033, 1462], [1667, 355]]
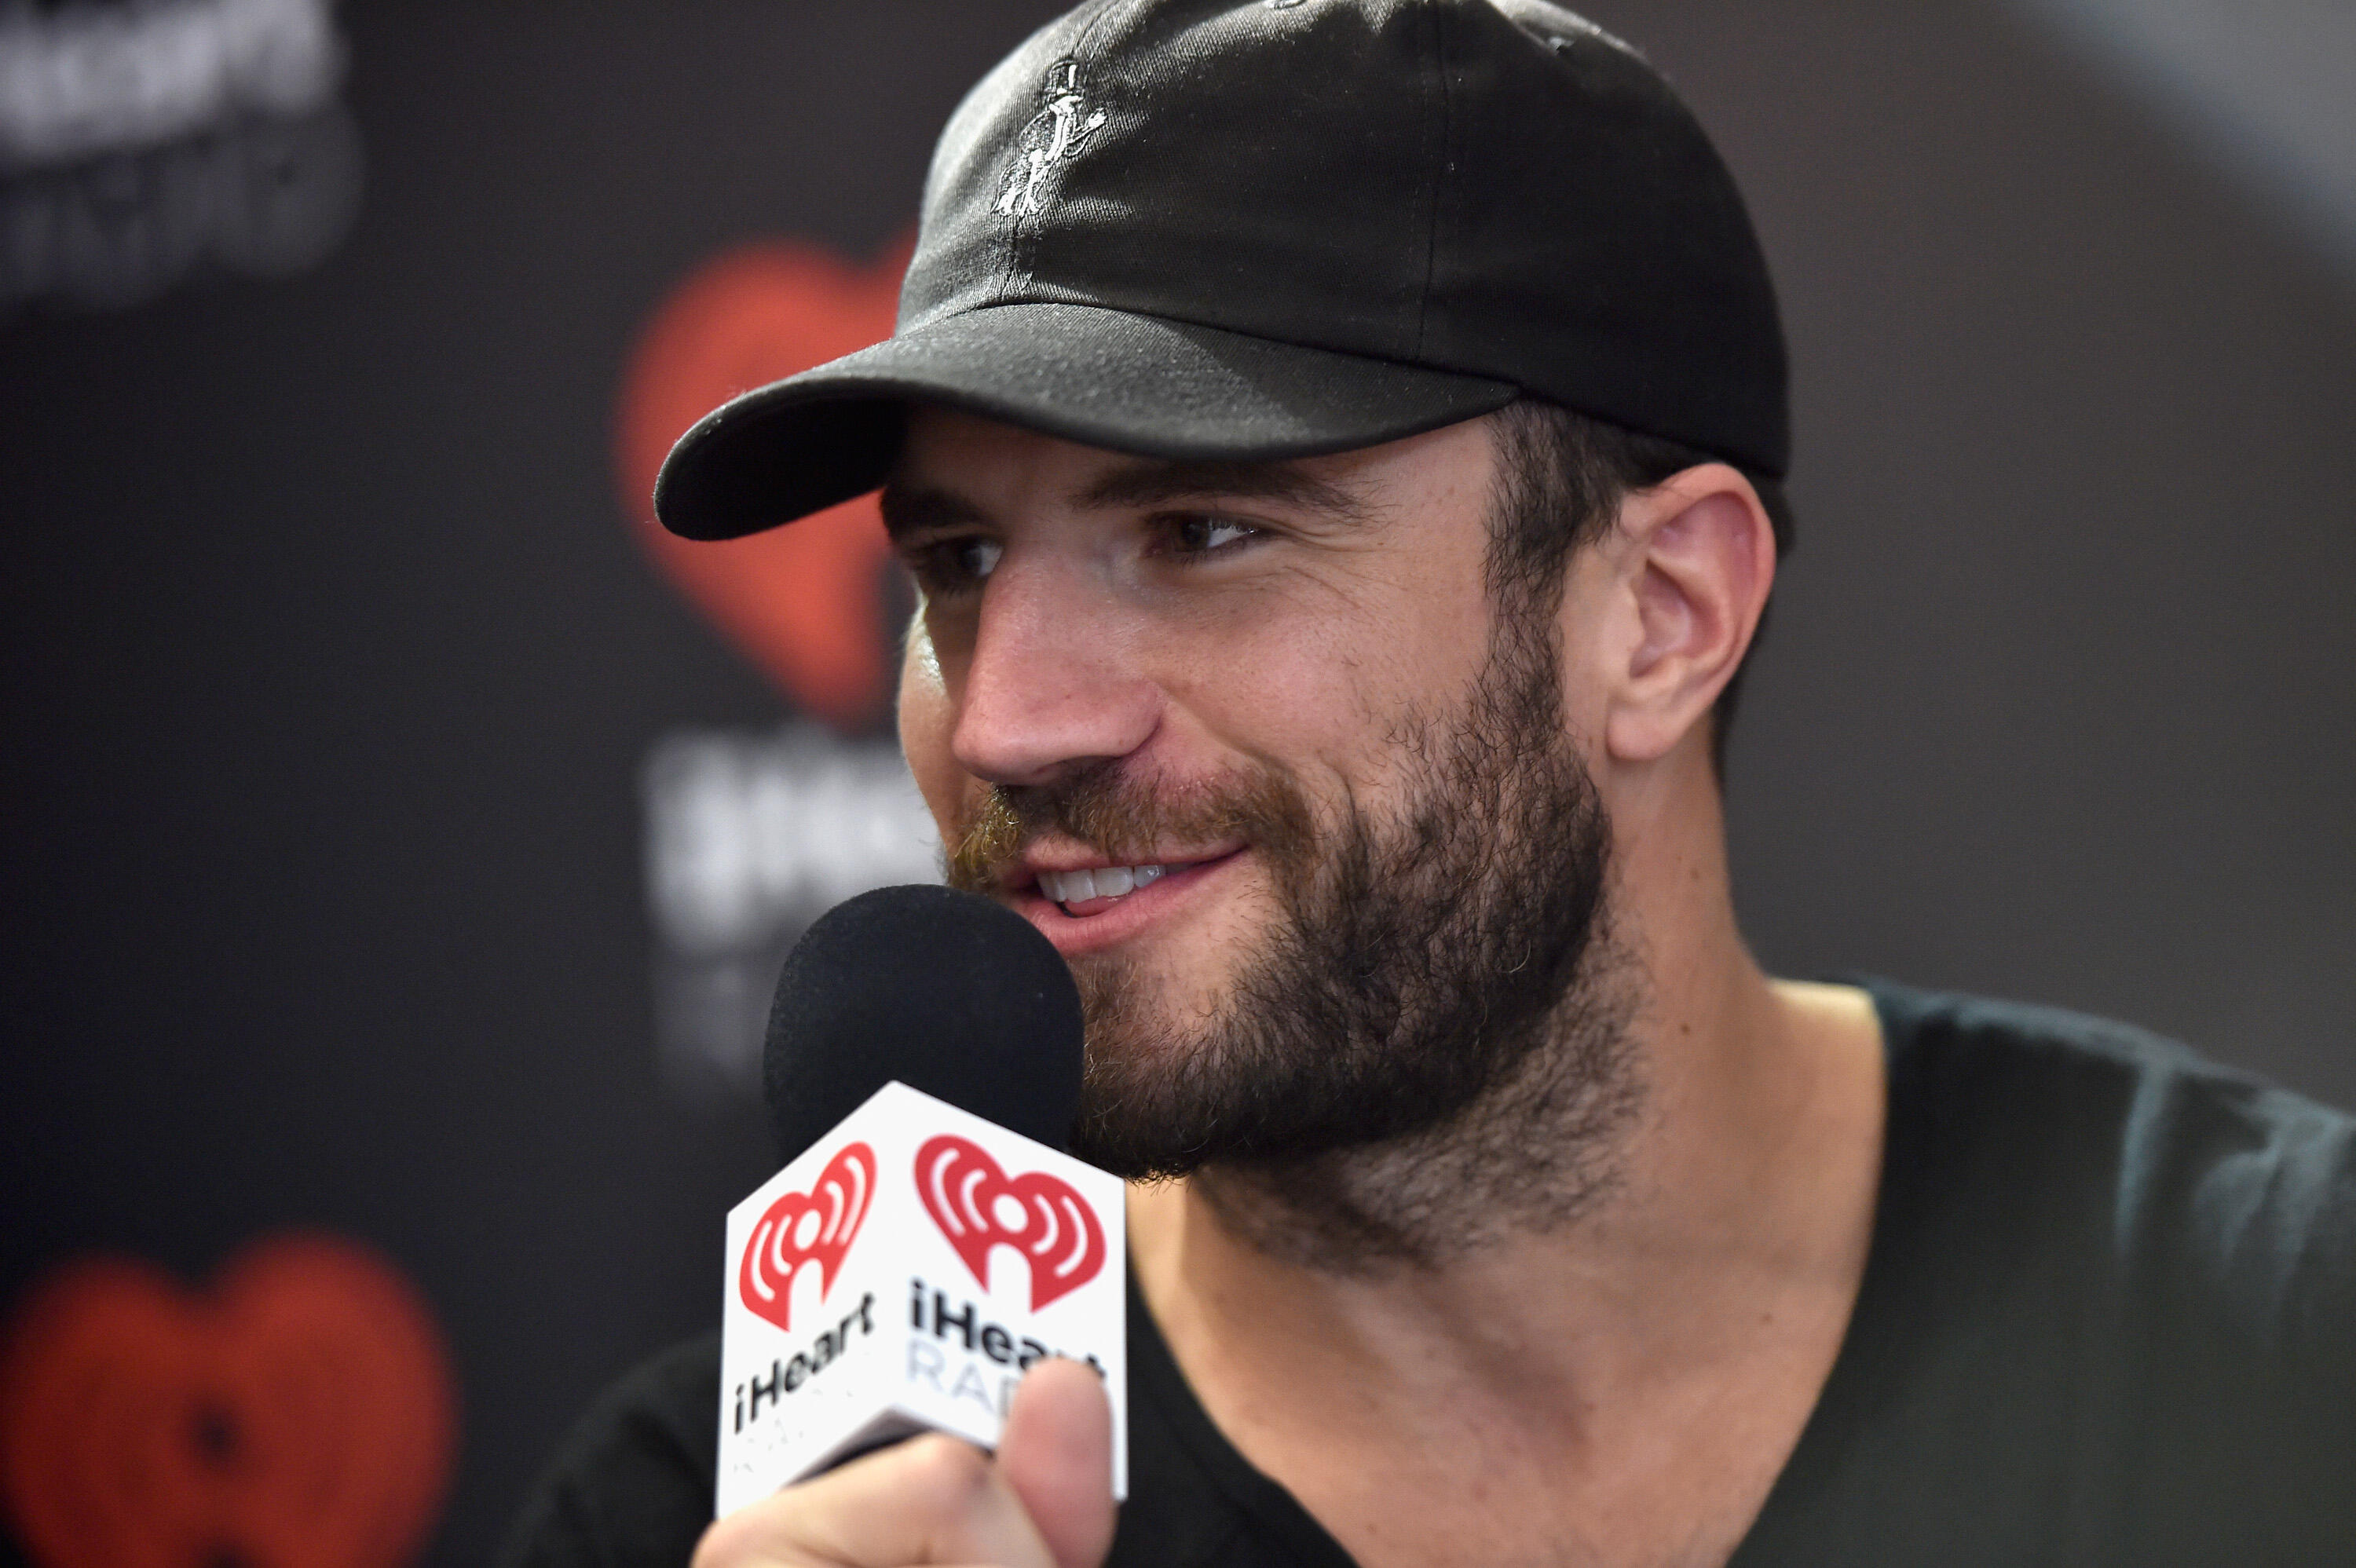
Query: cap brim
[[1105, 378]]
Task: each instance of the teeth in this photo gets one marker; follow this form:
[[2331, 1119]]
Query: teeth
[[1103, 882]]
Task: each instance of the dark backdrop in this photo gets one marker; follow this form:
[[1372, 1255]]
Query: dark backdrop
[[331, 667]]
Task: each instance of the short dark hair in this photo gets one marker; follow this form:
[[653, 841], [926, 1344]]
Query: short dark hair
[[1562, 476]]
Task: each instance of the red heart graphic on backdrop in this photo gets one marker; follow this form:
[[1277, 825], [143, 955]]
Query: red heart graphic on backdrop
[[805, 603], [301, 1416], [799, 1228], [1044, 1220]]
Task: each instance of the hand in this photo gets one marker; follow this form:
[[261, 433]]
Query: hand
[[1045, 1501]]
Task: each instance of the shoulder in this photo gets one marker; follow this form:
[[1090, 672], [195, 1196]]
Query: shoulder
[[2193, 1177], [2128, 1271], [631, 1485], [2104, 1318]]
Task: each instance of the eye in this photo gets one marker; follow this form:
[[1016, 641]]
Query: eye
[[1195, 534], [950, 566]]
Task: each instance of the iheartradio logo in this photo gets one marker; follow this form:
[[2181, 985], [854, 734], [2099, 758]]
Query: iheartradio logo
[[800, 1228], [878, 1205], [806, 604], [978, 1207]]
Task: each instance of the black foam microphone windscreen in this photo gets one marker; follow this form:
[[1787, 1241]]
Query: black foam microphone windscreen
[[943, 991]]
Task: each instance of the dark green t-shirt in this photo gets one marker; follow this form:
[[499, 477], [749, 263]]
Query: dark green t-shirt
[[2109, 1317]]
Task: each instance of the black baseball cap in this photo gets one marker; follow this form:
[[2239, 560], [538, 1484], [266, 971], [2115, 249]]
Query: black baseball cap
[[1271, 229]]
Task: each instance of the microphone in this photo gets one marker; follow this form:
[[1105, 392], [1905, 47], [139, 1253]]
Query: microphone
[[928, 1239], [946, 992]]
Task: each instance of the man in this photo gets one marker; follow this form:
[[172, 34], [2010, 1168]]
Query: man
[[1338, 443]]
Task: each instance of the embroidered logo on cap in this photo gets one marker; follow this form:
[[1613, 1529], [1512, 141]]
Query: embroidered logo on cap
[[1056, 133]]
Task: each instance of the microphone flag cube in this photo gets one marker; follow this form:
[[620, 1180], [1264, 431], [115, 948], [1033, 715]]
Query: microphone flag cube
[[900, 1277]]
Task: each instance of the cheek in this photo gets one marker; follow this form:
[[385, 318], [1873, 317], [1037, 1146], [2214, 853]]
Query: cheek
[[927, 723], [1328, 684]]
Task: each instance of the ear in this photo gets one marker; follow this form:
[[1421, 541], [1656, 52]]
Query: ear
[[1697, 557]]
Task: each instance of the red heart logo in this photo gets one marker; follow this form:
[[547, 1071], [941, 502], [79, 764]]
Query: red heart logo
[[1039, 1215], [807, 1227], [805, 603], [302, 1415]]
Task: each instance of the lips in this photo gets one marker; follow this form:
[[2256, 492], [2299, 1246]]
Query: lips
[[1104, 918]]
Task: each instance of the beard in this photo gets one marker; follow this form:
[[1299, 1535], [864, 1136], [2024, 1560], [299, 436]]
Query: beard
[[1428, 1046]]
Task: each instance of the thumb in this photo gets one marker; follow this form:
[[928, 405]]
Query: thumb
[[1056, 1454]]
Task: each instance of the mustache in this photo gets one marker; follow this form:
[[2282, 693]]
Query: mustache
[[1125, 818]]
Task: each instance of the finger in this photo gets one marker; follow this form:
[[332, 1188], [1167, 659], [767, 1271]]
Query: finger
[[932, 1500], [1056, 1456]]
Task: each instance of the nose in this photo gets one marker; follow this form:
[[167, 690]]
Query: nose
[[1052, 683]]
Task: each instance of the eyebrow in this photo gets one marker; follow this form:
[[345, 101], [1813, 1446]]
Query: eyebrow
[[1158, 482], [911, 508], [920, 508]]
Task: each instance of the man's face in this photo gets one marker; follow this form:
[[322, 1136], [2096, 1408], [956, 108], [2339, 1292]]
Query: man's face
[[1256, 750]]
